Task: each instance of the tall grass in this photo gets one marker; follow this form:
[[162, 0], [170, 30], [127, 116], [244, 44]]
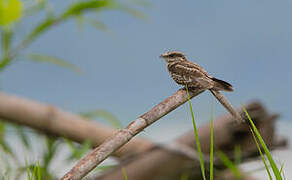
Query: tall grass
[[261, 154], [229, 164], [197, 137], [255, 131]]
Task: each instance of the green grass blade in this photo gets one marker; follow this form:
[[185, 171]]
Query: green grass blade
[[3, 143], [211, 147], [264, 146], [6, 37], [184, 176], [23, 136], [37, 7], [38, 173], [82, 6], [105, 115], [105, 167], [28, 171], [54, 60], [77, 151], [262, 156], [197, 137], [282, 165], [229, 164], [237, 155], [124, 174], [281, 170], [97, 24]]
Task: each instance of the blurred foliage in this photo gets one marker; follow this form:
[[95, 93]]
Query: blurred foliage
[[12, 15], [54, 60], [105, 115], [229, 164], [10, 11], [78, 150]]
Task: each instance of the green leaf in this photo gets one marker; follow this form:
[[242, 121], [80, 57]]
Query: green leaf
[[82, 6], [185, 176], [3, 144], [23, 136], [6, 37], [54, 60], [103, 114], [10, 11], [35, 8], [78, 151], [77, 8], [2, 129], [79, 21], [51, 149], [262, 156], [237, 155], [197, 138], [86, 146], [130, 11], [229, 164], [275, 169], [73, 10], [97, 24], [5, 61], [39, 29], [5, 147], [105, 167]]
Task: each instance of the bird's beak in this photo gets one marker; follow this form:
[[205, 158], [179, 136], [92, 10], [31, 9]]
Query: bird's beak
[[162, 56]]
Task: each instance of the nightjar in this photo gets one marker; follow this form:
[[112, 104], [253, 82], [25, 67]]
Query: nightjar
[[190, 74]]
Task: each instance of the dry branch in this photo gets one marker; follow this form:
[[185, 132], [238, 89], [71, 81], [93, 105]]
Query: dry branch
[[224, 101], [99, 154], [49, 119], [164, 164]]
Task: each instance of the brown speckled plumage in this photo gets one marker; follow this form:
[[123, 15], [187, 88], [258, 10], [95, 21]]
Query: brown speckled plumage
[[191, 74]]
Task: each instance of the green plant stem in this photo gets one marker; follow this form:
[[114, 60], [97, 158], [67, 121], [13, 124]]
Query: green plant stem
[[197, 137], [124, 174], [275, 169], [262, 156]]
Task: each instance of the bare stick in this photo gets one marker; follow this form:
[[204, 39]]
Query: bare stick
[[100, 153], [224, 101], [51, 120]]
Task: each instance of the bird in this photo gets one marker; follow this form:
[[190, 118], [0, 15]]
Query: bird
[[190, 74]]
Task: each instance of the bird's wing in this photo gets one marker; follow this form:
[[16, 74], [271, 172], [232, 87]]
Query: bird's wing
[[193, 65], [193, 74]]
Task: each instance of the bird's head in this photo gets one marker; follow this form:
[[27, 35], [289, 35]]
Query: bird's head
[[173, 56]]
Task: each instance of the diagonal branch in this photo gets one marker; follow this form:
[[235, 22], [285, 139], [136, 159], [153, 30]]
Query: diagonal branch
[[224, 101], [99, 154]]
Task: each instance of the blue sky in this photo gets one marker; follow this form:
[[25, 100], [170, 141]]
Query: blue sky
[[247, 43]]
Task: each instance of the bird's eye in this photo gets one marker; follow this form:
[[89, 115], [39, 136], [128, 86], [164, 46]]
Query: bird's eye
[[171, 55]]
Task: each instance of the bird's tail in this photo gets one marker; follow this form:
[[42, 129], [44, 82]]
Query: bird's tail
[[220, 85]]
